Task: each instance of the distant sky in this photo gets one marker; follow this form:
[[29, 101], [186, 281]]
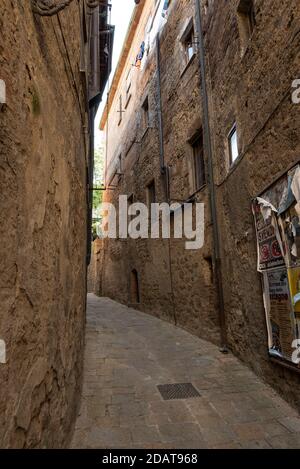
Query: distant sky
[[120, 18]]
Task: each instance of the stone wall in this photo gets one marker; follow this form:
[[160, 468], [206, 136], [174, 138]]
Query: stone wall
[[43, 225], [253, 88], [95, 269], [174, 283]]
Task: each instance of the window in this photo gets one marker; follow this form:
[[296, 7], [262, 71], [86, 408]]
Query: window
[[119, 170], [2, 93], [206, 6], [145, 114], [198, 161], [151, 195], [246, 21], [83, 41], [84, 23], [130, 200], [166, 6], [188, 41], [128, 88], [189, 46], [120, 111], [134, 287], [233, 144], [148, 29]]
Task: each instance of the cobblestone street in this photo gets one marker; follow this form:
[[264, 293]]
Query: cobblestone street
[[128, 354]]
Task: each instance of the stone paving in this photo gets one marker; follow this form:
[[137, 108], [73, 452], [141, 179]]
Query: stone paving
[[129, 353]]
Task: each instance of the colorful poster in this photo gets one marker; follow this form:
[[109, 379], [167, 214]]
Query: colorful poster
[[277, 221], [289, 224], [269, 252], [281, 323], [294, 284]]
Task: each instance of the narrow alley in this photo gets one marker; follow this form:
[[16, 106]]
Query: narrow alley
[[129, 353], [150, 228]]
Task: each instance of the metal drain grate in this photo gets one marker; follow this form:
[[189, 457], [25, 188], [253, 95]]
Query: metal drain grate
[[178, 391]]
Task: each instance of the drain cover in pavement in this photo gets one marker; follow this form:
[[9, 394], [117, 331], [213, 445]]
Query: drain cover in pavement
[[178, 391]]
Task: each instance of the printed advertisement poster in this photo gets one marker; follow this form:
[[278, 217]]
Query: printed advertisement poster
[[281, 321], [290, 233], [269, 252], [294, 284], [277, 221]]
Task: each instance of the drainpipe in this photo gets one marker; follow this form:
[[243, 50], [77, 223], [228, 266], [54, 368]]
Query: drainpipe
[[90, 179], [94, 84], [164, 171], [159, 110], [208, 147]]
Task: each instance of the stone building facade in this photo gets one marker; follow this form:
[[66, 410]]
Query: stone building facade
[[173, 282], [250, 77], [95, 271], [156, 149], [44, 157]]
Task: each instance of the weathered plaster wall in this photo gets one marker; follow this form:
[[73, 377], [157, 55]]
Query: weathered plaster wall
[[42, 225]]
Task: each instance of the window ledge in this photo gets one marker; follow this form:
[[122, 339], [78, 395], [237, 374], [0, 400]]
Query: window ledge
[[285, 364], [197, 191], [200, 189], [231, 169], [235, 162], [187, 66], [191, 197], [145, 132]]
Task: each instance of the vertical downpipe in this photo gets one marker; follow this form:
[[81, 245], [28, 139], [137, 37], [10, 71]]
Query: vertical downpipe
[[90, 186], [163, 169], [94, 85], [159, 110], [208, 147]]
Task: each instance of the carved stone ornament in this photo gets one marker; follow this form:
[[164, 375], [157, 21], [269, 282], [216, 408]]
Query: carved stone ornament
[[52, 7], [48, 7]]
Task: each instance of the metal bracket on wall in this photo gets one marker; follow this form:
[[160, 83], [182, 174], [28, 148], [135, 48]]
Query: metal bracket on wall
[[52, 7]]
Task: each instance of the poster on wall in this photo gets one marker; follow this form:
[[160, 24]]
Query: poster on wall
[[269, 252], [277, 221], [294, 284], [281, 328]]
